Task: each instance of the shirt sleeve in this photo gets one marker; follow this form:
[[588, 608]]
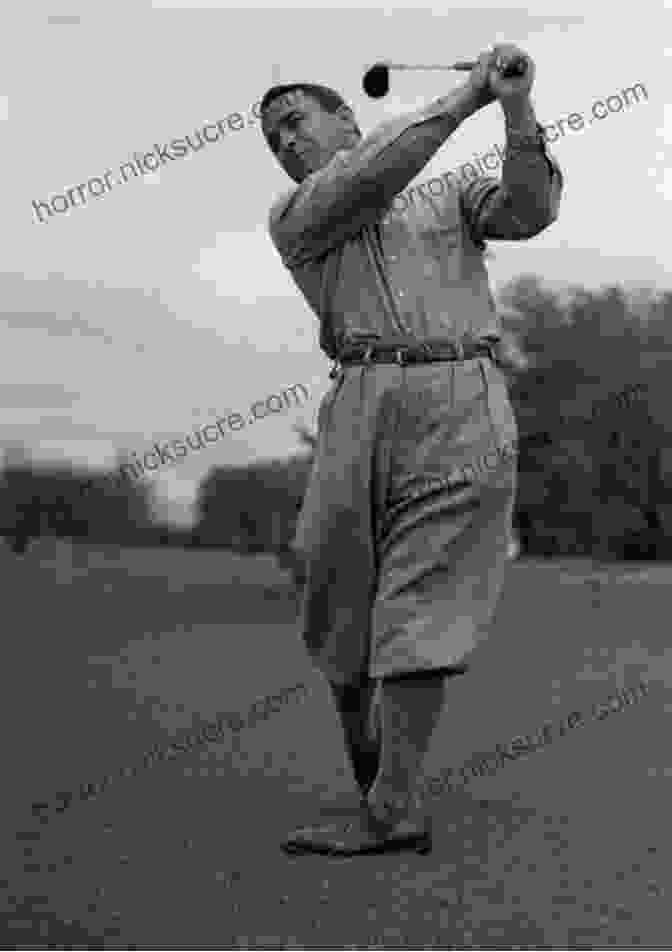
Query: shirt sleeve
[[355, 188], [522, 204]]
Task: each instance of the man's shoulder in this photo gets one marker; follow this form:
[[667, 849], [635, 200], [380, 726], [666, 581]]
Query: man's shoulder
[[306, 187], [280, 205]]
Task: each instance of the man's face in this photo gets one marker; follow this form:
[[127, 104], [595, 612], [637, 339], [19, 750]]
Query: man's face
[[303, 136]]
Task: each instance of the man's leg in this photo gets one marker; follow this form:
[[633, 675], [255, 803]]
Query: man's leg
[[410, 709], [353, 703]]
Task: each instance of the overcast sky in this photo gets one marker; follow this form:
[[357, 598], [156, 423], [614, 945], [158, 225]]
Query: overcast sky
[[162, 304]]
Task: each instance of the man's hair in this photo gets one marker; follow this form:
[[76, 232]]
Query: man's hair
[[328, 98]]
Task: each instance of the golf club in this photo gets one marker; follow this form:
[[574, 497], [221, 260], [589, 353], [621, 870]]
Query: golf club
[[376, 80]]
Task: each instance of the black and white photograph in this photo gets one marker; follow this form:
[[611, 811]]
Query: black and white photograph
[[335, 476]]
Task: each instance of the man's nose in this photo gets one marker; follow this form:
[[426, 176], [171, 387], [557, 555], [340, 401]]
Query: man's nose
[[287, 139]]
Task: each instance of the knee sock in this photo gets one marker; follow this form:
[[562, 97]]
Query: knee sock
[[354, 704], [410, 709]]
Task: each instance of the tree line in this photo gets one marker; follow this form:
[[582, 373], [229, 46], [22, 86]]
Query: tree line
[[587, 376]]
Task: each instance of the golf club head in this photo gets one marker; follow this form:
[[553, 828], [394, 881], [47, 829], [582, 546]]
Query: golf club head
[[376, 81]]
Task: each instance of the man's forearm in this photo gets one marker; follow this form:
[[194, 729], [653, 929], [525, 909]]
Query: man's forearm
[[526, 172], [524, 204], [519, 119], [399, 162], [352, 190]]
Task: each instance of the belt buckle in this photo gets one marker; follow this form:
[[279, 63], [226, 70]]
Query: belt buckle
[[368, 354], [399, 354], [459, 350]]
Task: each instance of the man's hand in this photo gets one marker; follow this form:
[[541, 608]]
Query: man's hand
[[488, 84], [516, 87]]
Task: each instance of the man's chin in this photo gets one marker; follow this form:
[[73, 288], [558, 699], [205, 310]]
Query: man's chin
[[302, 170], [301, 174], [298, 177]]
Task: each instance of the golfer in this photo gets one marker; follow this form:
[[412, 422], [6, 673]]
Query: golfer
[[404, 556]]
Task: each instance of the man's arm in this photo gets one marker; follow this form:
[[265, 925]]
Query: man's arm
[[336, 202], [527, 199]]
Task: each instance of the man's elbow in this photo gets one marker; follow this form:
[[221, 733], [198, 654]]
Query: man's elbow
[[537, 220], [539, 225], [539, 208]]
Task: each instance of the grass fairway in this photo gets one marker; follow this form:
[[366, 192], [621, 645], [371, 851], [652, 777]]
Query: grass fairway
[[108, 652]]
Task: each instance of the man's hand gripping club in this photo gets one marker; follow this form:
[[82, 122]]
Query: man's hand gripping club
[[487, 83]]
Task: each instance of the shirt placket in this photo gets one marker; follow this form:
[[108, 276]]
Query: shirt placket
[[413, 274], [383, 268]]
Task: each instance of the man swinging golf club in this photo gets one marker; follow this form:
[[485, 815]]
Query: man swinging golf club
[[405, 558]]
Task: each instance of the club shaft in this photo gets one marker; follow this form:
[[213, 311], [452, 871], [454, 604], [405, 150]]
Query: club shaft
[[464, 65]]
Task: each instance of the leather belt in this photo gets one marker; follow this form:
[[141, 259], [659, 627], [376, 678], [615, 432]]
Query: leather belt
[[417, 352]]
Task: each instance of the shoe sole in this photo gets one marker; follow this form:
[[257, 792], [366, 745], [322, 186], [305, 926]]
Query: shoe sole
[[421, 845]]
